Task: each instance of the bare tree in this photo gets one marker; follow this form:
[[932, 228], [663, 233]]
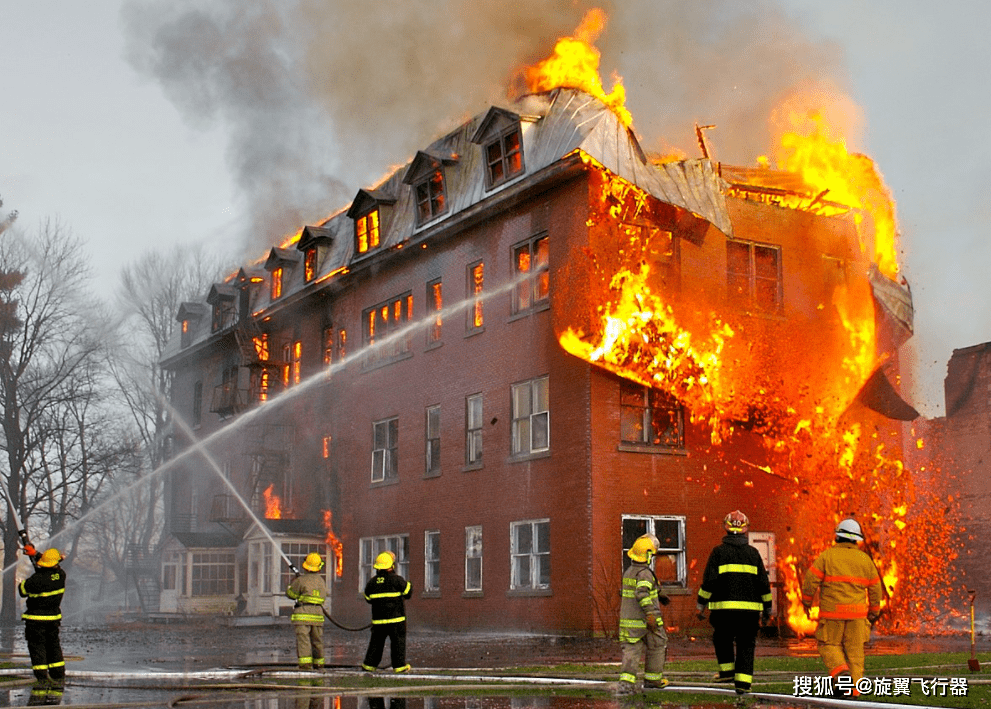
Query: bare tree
[[148, 299], [46, 343]]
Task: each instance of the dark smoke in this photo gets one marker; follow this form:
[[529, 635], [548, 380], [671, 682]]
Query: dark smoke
[[321, 97]]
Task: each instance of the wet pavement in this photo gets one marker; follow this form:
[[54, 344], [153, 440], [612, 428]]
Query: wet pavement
[[141, 664]]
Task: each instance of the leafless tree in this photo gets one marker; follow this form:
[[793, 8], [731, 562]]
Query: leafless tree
[[45, 345]]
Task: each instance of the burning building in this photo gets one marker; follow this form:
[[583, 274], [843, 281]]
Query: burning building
[[520, 351]]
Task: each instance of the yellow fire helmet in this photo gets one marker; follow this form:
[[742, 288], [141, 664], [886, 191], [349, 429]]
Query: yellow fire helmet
[[50, 558], [313, 562], [385, 560], [643, 549]]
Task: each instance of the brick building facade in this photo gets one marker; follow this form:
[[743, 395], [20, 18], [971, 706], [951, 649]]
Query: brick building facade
[[394, 375]]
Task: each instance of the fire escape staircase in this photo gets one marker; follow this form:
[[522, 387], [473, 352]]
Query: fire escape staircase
[[143, 571]]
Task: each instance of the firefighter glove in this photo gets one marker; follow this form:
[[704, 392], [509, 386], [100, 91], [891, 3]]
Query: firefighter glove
[[652, 623], [29, 550]]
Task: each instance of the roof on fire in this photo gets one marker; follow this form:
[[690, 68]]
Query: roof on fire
[[553, 126]]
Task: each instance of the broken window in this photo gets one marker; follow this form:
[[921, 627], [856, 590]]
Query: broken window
[[277, 283], [385, 450], [650, 417], [431, 561], [366, 232], [187, 335], [430, 199], [530, 550], [384, 326], [504, 157], [370, 547], [473, 429], [531, 269], [435, 301], [753, 275], [310, 264], [669, 563], [342, 343], [476, 278], [328, 346], [473, 559], [531, 417], [223, 314], [433, 441], [292, 357]]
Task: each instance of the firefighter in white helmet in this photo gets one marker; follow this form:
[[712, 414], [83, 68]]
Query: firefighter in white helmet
[[736, 589], [309, 590], [849, 590], [641, 627], [386, 591]]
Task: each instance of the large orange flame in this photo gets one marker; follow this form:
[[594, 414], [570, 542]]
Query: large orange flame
[[273, 505], [334, 543], [575, 65]]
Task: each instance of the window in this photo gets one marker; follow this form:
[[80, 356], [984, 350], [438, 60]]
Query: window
[[429, 195], [187, 334], [435, 302], [669, 564], [531, 417], [197, 403], [530, 268], [504, 157], [366, 232], [473, 429], [530, 551], [476, 276], [223, 314], [371, 547], [276, 283], [296, 553], [310, 264], [381, 325], [431, 561], [433, 440], [649, 417], [385, 450], [292, 356], [212, 574], [342, 344], [753, 275], [473, 559], [328, 346]]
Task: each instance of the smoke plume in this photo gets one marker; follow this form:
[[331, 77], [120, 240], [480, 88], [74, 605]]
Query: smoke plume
[[320, 97]]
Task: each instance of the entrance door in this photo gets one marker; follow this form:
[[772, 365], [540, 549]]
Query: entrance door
[[764, 543]]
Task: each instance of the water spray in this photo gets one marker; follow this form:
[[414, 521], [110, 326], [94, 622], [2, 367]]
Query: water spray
[[22, 533]]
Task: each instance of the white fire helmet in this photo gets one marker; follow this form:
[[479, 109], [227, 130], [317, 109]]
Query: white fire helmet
[[849, 530]]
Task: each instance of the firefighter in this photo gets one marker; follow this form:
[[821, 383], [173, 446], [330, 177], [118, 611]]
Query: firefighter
[[849, 602], [736, 589], [43, 616], [309, 590], [386, 591], [641, 627]]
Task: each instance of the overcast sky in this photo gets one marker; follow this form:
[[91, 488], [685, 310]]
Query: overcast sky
[[143, 123]]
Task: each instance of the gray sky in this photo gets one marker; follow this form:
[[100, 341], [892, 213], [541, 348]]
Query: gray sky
[[142, 123]]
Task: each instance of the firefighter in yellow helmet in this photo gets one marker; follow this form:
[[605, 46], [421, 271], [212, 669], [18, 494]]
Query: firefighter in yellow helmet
[[43, 616], [641, 627], [736, 589], [386, 591], [849, 590], [309, 590]]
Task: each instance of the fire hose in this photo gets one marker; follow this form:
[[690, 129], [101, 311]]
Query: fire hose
[[326, 613]]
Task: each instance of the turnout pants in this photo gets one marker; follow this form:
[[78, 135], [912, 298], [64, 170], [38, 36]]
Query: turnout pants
[[841, 646], [396, 632], [309, 645], [45, 648], [651, 651], [734, 637]]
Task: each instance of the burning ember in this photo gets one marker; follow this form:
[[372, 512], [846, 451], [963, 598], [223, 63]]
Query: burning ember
[[273, 505], [575, 65], [784, 390], [334, 543]]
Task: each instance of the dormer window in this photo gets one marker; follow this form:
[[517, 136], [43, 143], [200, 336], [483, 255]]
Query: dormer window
[[189, 317], [430, 199], [279, 264], [310, 264], [276, 283], [501, 137], [426, 176], [366, 232], [314, 243], [221, 298]]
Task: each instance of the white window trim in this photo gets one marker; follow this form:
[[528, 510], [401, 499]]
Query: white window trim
[[534, 585], [681, 564]]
